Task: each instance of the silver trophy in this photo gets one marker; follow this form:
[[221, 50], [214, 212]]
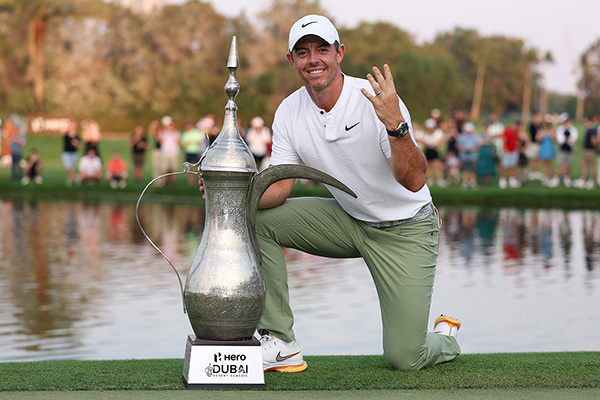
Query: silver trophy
[[225, 292]]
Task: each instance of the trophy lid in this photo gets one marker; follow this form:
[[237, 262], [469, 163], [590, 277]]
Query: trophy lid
[[229, 152]]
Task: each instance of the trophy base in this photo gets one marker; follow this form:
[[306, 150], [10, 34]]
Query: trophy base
[[212, 364]]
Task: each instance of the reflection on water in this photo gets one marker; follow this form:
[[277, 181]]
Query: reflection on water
[[523, 280], [79, 281]]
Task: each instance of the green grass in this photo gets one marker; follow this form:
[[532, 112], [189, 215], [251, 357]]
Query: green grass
[[469, 371], [532, 194]]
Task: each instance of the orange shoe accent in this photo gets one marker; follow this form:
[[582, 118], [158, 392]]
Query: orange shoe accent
[[290, 368], [453, 323]]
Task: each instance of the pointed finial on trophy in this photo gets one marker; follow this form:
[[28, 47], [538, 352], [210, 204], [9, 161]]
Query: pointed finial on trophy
[[233, 61], [232, 87], [229, 152]]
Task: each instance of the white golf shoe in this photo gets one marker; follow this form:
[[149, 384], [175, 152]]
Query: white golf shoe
[[281, 356]]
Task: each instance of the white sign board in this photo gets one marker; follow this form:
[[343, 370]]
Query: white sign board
[[223, 365]]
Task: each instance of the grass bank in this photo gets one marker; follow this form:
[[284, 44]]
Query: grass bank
[[532, 194], [325, 373]]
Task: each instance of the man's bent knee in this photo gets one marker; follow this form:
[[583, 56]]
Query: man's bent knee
[[405, 360]]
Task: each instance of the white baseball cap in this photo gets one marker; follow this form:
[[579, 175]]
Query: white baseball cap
[[313, 25], [166, 120]]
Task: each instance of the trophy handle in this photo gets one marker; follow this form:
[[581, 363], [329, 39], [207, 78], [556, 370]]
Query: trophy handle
[[187, 170], [261, 182]]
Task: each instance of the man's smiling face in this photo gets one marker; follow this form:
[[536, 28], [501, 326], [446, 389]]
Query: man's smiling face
[[317, 62]]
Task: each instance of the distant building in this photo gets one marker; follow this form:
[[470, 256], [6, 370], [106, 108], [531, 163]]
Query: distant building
[[141, 6]]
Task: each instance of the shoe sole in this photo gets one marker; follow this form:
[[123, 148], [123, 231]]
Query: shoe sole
[[450, 321], [289, 368]]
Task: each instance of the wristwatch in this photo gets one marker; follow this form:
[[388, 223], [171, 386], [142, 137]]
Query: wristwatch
[[401, 131]]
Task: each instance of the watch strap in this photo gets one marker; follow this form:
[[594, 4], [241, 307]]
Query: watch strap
[[401, 131]]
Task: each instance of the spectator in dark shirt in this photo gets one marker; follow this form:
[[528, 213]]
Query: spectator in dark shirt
[[533, 148], [33, 168], [587, 179], [139, 144], [69, 155]]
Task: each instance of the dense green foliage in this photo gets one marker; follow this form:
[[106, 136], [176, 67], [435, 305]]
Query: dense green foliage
[[94, 59], [590, 81]]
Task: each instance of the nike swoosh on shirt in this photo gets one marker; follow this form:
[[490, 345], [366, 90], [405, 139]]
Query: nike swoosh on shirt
[[351, 126], [308, 23], [280, 358]]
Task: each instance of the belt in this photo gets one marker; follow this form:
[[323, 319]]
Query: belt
[[423, 213]]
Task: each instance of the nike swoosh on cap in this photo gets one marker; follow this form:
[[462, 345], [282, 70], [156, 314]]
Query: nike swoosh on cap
[[280, 358], [347, 128], [308, 23]]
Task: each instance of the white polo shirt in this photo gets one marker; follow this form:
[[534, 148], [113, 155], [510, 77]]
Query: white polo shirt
[[562, 138], [90, 165], [351, 144]]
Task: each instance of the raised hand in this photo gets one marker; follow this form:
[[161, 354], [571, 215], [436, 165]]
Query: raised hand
[[385, 100]]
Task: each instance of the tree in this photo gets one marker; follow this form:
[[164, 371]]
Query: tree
[[589, 83], [273, 78], [98, 60], [81, 78], [423, 79], [38, 15], [14, 93], [531, 58], [371, 44], [478, 90], [547, 59], [176, 62], [505, 60], [464, 48], [142, 66]]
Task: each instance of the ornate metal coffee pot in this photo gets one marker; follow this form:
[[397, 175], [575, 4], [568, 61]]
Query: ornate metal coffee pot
[[225, 292]]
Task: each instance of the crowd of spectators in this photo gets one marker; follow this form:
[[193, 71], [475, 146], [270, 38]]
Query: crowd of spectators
[[167, 145], [458, 152]]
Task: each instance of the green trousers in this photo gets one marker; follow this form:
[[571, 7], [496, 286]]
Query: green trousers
[[401, 260]]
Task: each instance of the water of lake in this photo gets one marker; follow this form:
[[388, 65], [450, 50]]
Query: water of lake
[[79, 281]]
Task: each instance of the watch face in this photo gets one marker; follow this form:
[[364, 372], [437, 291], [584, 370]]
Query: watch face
[[403, 129]]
